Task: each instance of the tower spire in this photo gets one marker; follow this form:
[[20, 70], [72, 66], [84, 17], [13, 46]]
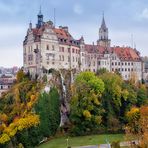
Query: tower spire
[[40, 18], [40, 10], [103, 34], [103, 25]]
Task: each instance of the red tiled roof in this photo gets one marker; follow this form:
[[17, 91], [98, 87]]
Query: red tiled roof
[[61, 33], [37, 31], [90, 48], [94, 48], [126, 53], [65, 37]]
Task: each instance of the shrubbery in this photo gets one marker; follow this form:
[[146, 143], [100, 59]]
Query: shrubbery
[[99, 103]]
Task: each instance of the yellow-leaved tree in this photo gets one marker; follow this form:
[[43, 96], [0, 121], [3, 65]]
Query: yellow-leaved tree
[[16, 109], [137, 127]]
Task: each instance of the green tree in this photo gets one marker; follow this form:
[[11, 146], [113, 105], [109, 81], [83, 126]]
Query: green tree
[[112, 99], [30, 137], [142, 97], [48, 108], [85, 104], [20, 75], [101, 71]]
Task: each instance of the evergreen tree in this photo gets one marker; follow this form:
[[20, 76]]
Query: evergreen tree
[[48, 108]]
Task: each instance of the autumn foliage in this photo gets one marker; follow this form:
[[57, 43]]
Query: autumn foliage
[[16, 109], [137, 127]]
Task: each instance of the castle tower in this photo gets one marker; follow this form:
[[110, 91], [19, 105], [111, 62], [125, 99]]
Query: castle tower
[[103, 35], [40, 19]]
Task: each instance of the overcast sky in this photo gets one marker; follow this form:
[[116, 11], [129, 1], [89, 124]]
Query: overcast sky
[[83, 17]]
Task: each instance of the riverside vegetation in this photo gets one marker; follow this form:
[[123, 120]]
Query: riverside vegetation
[[98, 103]]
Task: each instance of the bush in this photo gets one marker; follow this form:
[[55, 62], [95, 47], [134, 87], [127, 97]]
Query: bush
[[115, 144]]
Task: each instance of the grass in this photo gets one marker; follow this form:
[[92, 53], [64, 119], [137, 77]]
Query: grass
[[82, 140]]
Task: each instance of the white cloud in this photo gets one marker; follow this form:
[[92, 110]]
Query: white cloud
[[144, 13], [78, 9]]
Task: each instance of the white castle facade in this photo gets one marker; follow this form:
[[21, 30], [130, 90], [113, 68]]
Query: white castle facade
[[46, 47]]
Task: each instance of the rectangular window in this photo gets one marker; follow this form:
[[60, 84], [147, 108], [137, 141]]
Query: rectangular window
[[94, 63], [47, 47], [53, 47], [68, 49], [68, 58], [53, 57], [36, 46], [47, 56], [62, 49]]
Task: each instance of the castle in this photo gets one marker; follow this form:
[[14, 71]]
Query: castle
[[46, 47]]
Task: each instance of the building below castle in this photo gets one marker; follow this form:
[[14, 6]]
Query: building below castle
[[46, 47]]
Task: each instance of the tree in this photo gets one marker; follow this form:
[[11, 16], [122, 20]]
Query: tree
[[101, 71], [20, 75], [112, 100], [142, 97], [16, 111], [137, 126], [47, 108], [86, 111]]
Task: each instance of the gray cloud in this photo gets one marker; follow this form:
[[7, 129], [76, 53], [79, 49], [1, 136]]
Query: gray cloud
[[123, 17]]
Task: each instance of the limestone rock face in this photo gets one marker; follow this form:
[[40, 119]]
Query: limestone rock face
[[62, 80]]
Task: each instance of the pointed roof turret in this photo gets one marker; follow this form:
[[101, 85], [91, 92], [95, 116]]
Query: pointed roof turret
[[40, 19], [40, 12], [103, 25], [30, 25]]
